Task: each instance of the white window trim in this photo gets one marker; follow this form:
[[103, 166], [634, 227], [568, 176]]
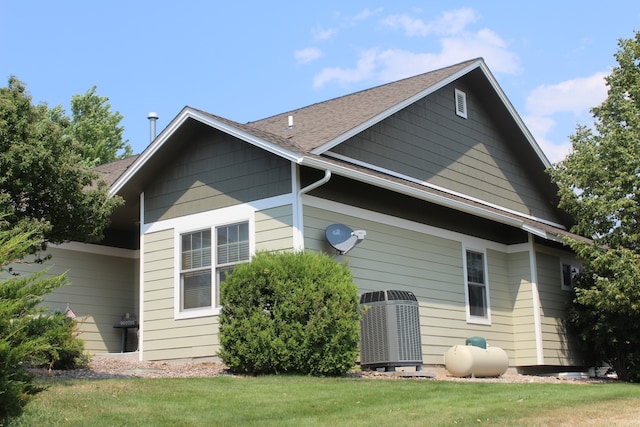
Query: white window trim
[[218, 218], [461, 103], [476, 319], [573, 264]]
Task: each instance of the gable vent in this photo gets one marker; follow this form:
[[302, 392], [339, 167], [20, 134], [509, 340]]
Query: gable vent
[[461, 103]]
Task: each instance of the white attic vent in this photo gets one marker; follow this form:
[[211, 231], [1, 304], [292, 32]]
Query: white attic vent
[[461, 103]]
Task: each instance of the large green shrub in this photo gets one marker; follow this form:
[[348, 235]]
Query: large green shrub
[[290, 313]]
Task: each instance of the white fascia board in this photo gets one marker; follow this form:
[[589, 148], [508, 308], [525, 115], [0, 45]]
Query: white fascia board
[[515, 115], [413, 192], [376, 119], [430, 197], [438, 188], [182, 117], [541, 233]]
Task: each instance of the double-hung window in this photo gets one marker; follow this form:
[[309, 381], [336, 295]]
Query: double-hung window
[[195, 271], [202, 269], [477, 291]]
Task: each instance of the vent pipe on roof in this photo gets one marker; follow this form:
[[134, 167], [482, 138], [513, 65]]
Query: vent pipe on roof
[[153, 117], [290, 122]]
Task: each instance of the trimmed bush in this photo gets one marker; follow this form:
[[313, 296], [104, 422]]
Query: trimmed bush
[[290, 313], [66, 351]]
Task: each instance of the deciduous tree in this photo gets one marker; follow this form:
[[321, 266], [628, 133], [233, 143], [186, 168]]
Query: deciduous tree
[[599, 184], [97, 129], [43, 177]]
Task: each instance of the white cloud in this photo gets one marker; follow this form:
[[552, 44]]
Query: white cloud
[[553, 151], [540, 126], [484, 43], [412, 26], [366, 13], [574, 96], [363, 70], [393, 64], [546, 103], [457, 45], [320, 33], [304, 56], [449, 23]]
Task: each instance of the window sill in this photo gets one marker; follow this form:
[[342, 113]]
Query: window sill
[[195, 313], [479, 320]]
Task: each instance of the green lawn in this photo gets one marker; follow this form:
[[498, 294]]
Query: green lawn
[[305, 401]]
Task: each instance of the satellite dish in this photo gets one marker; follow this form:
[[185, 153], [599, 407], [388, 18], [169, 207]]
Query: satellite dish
[[342, 238]]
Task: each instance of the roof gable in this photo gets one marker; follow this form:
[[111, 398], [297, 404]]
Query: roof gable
[[306, 136], [270, 142], [319, 127], [478, 156]]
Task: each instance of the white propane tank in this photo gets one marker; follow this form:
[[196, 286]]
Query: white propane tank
[[469, 360]]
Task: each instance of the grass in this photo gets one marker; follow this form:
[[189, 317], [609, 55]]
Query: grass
[[305, 401]]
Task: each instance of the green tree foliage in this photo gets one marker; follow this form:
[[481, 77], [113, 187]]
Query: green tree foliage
[[41, 174], [20, 299], [599, 184], [97, 129], [290, 313]]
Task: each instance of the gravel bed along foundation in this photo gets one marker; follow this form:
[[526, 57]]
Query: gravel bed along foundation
[[128, 366]]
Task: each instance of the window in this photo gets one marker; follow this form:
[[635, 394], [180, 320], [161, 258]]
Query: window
[[477, 290], [569, 272], [461, 103], [195, 276], [199, 289]]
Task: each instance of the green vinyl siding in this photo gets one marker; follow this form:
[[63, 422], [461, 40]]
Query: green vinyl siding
[[501, 301], [523, 316], [371, 198], [166, 337], [214, 171], [553, 303], [430, 267], [429, 142], [101, 289], [158, 285], [274, 230]]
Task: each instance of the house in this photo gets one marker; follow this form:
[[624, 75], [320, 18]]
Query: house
[[438, 169]]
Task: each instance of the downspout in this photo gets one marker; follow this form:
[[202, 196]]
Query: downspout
[[299, 234], [535, 297], [141, 283], [313, 186]]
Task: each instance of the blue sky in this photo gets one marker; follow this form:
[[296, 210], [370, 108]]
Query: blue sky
[[250, 60]]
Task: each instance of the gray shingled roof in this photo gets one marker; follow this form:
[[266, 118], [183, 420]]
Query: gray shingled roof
[[111, 171], [320, 123]]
